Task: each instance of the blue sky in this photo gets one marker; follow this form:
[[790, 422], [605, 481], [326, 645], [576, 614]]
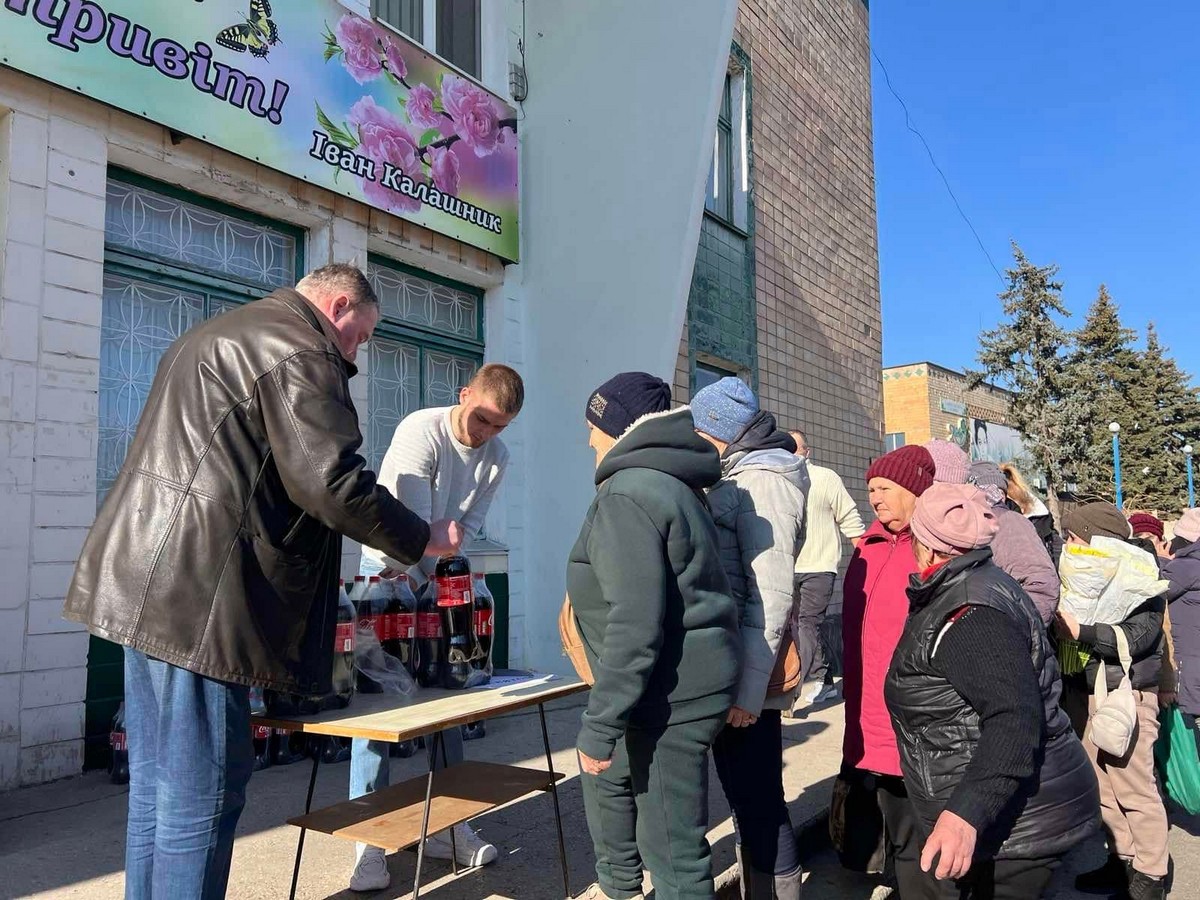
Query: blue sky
[[1071, 127]]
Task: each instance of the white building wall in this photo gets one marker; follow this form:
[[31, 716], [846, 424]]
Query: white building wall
[[616, 143]]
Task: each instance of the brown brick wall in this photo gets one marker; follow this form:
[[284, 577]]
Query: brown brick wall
[[906, 403], [815, 242], [913, 396]]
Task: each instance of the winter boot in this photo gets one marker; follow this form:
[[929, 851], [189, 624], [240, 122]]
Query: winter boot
[[1107, 879], [1146, 887]]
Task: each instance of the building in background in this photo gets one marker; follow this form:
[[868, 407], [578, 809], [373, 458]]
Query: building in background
[[529, 202], [925, 401]]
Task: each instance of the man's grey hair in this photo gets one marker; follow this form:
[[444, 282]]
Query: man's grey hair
[[338, 278]]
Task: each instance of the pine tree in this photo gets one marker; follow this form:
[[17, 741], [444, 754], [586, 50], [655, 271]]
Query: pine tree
[[1101, 370], [1162, 415], [1026, 354]]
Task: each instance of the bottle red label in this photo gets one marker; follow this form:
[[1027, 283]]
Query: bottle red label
[[118, 740], [429, 625], [369, 623], [406, 626], [262, 732], [343, 638], [454, 590], [485, 622]]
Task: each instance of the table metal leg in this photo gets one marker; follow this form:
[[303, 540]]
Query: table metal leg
[[562, 844], [318, 746], [453, 841], [425, 817]]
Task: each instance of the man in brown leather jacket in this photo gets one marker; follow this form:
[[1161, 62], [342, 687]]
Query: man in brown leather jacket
[[215, 557]]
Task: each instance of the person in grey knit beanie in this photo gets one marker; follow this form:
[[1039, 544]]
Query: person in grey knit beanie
[[724, 409]]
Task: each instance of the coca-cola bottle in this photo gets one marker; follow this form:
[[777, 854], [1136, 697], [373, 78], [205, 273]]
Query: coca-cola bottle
[[428, 655], [456, 604], [118, 768], [402, 622], [287, 747], [260, 735], [370, 606], [485, 623], [343, 655]]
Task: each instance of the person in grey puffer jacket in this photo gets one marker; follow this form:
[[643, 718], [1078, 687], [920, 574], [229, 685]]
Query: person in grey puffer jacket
[[758, 507], [1018, 549]]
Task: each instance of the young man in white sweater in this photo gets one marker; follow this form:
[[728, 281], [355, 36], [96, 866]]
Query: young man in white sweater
[[443, 463], [829, 508]]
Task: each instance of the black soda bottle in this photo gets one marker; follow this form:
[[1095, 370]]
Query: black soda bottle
[[402, 622], [485, 623], [343, 655], [456, 604], [369, 606], [427, 662], [118, 769]]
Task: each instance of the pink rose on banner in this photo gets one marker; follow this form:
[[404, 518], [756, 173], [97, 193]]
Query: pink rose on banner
[[420, 107], [395, 62], [384, 139], [475, 118], [360, 48], [444, 168]]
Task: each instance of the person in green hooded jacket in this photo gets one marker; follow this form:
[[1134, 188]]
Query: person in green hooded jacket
[[660, 631]]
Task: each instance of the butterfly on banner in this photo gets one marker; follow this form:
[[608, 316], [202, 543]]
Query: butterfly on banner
[[258, 35]]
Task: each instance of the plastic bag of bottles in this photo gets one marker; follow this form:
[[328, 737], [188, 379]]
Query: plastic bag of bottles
[[381, 667]]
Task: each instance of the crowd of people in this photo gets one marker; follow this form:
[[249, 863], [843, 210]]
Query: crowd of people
[[992, 723]]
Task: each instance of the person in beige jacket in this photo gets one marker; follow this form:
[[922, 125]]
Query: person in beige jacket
[[829, 513]]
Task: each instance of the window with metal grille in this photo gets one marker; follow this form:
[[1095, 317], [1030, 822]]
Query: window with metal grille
[[427, 346]]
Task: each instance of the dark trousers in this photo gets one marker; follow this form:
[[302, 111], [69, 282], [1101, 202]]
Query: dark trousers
[[900, 833], [651, 806], [813, 592], [993, 879], [750, 765]]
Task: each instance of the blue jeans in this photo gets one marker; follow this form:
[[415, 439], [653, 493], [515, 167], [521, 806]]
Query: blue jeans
[[370, 769], [190, 758]]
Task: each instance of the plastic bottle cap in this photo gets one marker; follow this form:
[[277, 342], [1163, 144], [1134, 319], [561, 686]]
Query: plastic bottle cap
[[374, 579]]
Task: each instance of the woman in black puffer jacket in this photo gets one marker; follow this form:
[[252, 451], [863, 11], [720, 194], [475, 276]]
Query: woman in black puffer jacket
[[999, 782]]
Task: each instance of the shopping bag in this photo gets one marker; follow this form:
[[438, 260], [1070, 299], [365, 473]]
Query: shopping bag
[[1175, 753]]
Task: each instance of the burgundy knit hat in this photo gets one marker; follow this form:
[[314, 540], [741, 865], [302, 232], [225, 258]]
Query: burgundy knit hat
[[910, 466], [1144, 523]]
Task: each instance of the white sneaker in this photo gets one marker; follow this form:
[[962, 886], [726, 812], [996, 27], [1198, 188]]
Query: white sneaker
[[472, 849], [371, 873]]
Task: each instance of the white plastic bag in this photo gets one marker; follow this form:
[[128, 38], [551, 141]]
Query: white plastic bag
[[1106, 581], [381, 667]]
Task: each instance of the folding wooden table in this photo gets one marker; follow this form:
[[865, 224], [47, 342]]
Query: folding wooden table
[[403, 815]]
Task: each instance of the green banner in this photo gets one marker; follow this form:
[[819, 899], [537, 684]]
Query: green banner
[[303, 86]]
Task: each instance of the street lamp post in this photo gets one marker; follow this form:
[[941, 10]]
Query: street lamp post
[[1115, 428], [1187, 456]]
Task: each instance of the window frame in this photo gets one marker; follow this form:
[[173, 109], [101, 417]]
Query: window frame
[[429, 37], [425, 337], [734, 121], [240, 289], [889, 438]]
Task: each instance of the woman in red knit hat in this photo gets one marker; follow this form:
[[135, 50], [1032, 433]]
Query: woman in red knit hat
[[873, 613]]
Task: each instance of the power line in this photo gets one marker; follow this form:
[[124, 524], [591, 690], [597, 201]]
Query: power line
[[909, 124]]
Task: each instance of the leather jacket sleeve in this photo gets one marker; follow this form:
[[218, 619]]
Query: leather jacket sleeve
[[312, 428]]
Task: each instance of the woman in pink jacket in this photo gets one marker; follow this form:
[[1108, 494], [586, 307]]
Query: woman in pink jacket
[[874, 610]]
